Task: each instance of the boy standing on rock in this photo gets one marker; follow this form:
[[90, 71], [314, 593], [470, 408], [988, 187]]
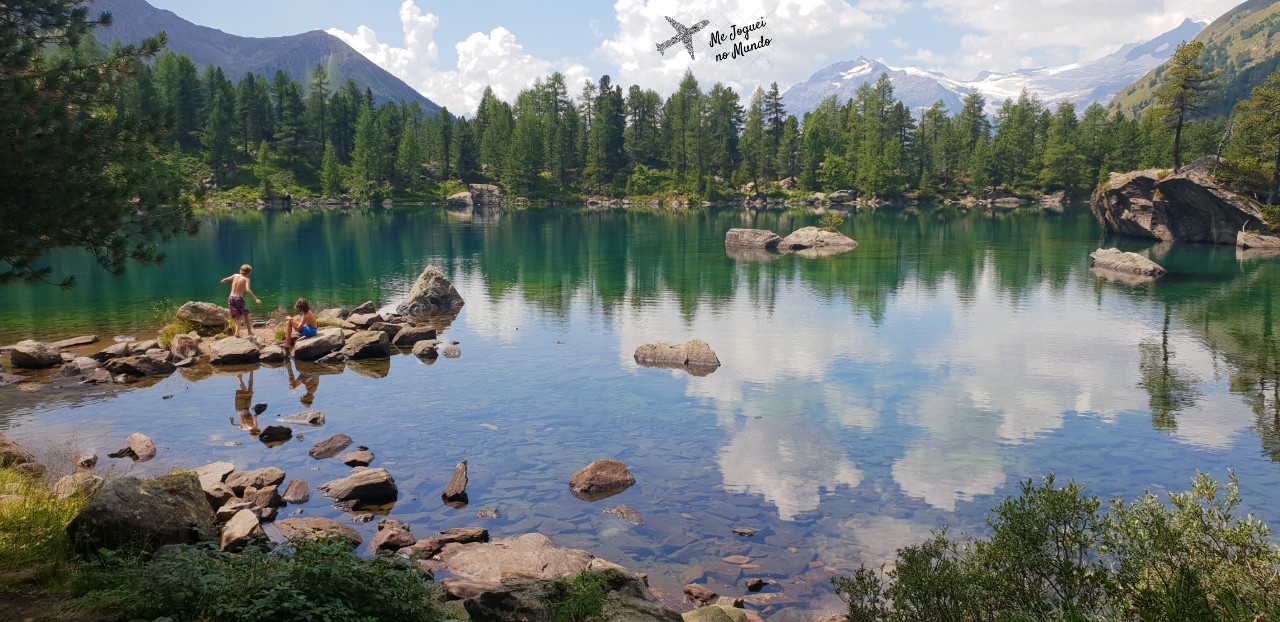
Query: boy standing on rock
[[235, 302]]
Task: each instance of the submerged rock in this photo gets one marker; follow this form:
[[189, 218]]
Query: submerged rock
[[313, 418], [330, 447], [140, 366], [431, 293]]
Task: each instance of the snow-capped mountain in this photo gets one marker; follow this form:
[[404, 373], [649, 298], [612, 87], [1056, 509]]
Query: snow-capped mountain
[[1080, 83]]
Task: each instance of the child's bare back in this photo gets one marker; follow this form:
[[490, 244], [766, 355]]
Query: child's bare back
[[239, 284]]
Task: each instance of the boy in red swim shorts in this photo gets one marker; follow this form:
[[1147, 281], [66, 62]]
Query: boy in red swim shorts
[[235, 302]]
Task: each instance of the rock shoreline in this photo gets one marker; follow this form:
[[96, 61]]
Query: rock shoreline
[[508, 578]]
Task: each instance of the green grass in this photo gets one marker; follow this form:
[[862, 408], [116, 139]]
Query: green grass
[[33, 522], [175, 328], [584, 598]]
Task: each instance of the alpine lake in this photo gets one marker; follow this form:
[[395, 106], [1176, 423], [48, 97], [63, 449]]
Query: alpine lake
[[862, 401]]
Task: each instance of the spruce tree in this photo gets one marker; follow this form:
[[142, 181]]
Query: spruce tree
[[1260, 122], [330, 172]]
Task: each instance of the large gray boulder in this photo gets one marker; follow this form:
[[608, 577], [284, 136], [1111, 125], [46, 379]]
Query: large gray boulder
[[233, 351], [1117, 260], [751, 238], [485, 197], [601, 479], [370, 487], [367, 344], [1247, 240], [327, 340], [813, 237], [431, 293], [141, 515], [629, 598], [28, 354], [1186, 207], [210, 317]]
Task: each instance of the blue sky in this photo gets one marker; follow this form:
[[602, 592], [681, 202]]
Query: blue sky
[[455, 48]]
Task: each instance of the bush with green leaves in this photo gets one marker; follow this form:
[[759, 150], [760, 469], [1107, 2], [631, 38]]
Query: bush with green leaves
[[318, 581], [1055, 554], [832, 222]]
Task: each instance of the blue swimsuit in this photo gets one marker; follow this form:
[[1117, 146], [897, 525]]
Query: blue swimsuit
[[307, 330]]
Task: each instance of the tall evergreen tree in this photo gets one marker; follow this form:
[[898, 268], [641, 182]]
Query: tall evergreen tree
[[1184, 93], [318, 105], [605, 156], [330, 172], [1260, 125]]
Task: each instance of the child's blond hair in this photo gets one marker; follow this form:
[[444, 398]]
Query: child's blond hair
[[246, 269]]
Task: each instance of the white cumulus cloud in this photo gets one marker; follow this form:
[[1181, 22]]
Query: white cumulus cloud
[[494, 59]]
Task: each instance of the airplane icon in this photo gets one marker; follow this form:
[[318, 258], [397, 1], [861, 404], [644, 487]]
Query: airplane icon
[[683, 34]]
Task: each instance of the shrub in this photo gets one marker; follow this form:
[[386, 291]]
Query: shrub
[[319, 581], [832, 222], [1054, 555]]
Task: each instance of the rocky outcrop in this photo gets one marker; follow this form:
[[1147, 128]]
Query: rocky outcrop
[[485, 197], [431, 293], [1127, 263], [367, 344], [629, 598], [141, 515], [1186, 207], [370, 487], [751, 238], [601, 479], [813, 237], [258, 478], [695, 356], [1244, 239], [233, 351], [30, 354], [328, 339], [210, 319], [430, 547], [530, 555]]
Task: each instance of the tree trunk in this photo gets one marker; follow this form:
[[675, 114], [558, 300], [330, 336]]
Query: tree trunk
[[1177, 146]]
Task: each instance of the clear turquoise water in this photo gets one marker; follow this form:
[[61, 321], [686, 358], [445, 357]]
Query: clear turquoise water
[[863, 400]]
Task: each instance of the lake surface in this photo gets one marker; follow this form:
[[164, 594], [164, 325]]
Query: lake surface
[[863, 400]]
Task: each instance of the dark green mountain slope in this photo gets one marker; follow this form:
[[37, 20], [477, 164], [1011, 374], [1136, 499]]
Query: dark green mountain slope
[[1244, 44], [297, 55]]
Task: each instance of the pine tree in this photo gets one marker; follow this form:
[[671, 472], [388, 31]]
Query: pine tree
[[318, 105], [1184, 93], [788, 155], [330, 172], [71, 173], [755, 143], [409, 156], [605, 156], [1064, 160], [218, 138], [263, 171]]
